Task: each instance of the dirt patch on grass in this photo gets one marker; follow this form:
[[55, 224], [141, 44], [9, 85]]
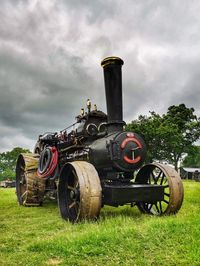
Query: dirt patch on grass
[[54, 261]]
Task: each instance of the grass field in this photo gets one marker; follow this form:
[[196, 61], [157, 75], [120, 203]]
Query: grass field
[[122, 236]]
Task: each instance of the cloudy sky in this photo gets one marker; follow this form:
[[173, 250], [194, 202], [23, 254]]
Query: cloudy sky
[[50, 54]]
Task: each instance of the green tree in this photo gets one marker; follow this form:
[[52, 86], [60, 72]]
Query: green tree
[[170, 135], [193, 158], [8, 162], [148, 128]]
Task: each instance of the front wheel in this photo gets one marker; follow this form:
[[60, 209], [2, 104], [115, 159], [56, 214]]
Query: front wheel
[[79, 192], [167, 177]]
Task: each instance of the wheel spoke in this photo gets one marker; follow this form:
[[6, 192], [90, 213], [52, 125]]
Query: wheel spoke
[[72, 204], [167, 194], [160, 205], [157, 207], [162, 178], [157, 177], [166, 186], [24, 194], [70, 187], [76, 184], [22, 167], [154, 178], [160, 174], [74, 173], [146, 206], [165, 180], [74, 209], [77, 207], [166, 201]]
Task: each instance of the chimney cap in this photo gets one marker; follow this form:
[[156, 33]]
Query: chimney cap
[[114, 60]]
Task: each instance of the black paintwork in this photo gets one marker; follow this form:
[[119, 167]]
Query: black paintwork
[[99, 139], [113, 90], [129, 193]]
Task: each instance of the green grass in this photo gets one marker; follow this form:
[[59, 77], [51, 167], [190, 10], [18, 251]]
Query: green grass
[[122, 236]]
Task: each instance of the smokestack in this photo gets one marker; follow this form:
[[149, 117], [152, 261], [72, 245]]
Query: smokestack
[[113, 88]]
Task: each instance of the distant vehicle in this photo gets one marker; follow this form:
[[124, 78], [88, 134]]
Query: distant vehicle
[[190, 173], [7, 183]]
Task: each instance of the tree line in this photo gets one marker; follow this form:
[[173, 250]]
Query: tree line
[[8, 163], [169, 137]]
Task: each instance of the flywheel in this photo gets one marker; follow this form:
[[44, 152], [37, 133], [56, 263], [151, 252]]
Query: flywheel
[[29, 187], [79, 192], [167, 177]]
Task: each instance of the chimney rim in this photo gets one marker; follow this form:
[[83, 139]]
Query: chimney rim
[[111, 60]]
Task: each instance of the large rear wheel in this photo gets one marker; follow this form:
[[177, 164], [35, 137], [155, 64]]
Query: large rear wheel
[[167, 177], [79, 192], [29, 187]]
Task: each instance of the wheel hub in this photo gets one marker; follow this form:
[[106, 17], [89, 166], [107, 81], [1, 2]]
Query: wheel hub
[[74, 194]]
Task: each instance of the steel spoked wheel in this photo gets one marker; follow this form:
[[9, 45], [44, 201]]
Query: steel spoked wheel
[[73, 195], [21, 185], [79, 192], [167, 177], [29, 188]]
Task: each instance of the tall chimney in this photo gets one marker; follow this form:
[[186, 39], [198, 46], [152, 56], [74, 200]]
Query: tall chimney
[[113, 88]]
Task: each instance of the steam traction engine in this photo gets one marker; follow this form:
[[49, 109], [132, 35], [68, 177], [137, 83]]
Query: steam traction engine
[[94, 164]]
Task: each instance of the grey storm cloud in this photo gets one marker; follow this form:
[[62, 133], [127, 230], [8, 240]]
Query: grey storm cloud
[[50, 54]]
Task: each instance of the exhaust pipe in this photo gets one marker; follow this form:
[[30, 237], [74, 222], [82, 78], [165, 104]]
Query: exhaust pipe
[[113, 89]]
